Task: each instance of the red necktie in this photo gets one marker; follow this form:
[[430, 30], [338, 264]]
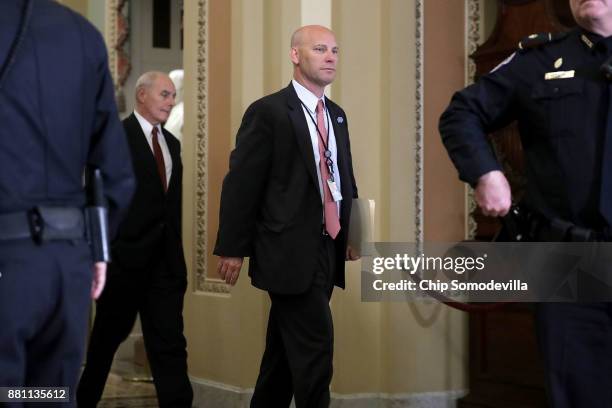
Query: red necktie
[[332, 223], [159, 159]]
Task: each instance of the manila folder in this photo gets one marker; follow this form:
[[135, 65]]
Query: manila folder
[[361, 226]]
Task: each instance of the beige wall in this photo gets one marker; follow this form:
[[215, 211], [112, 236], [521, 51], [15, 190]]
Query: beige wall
[[80, 6], [380, 347], [225, 332], [94, 10], [444, 73]]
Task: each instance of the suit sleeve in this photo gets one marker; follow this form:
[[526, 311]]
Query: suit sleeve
[[474, 112], [350, 157], [108, 148], [244, 184]]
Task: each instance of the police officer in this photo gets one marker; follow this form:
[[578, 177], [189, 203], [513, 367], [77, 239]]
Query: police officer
[[557, 87], [57, 117]]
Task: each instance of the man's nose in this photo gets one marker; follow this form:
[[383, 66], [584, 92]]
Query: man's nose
[[331, 57]]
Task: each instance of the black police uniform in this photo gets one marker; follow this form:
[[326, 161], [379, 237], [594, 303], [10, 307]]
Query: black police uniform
[[556, 90], [57, 116]]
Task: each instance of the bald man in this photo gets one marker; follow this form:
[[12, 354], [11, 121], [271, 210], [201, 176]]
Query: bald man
[[148, 274], [286, 204]]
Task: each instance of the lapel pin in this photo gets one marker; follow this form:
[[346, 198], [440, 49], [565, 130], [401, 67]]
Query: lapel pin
[[340, 119], [558, 63]]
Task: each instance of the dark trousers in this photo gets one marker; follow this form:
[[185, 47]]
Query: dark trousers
[[44, 306], [299, 343], [157, 295], [576, 344]]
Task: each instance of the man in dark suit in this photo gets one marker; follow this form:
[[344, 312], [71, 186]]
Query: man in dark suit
[[286, 204], [148, 273], [58, 117]]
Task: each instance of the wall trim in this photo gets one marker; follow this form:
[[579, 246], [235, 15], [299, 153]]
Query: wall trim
[[202, 282], [116, 36], [110, 35], [419, 145], [473, 38]]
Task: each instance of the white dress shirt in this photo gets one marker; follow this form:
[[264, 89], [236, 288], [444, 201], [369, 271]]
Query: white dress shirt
[[147, 129], [310, 102]]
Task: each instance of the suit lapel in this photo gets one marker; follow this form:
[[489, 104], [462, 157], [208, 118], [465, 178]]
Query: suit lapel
[[342, 151], [143, 156], [175, 154], [300, 126]]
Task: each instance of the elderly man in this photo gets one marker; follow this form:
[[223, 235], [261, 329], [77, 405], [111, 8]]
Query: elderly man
[[557, 86], [286, 204], [148, 274]]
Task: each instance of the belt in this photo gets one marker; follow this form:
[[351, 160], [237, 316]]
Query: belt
[[43, 224]]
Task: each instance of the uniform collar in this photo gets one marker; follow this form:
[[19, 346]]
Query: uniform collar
[[596, 42]]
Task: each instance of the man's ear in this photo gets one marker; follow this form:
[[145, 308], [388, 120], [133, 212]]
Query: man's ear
[[294, 55], [140, 95]]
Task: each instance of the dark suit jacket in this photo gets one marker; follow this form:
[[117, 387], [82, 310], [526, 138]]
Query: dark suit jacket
[[58, 112], [153, 223], [271, 207]]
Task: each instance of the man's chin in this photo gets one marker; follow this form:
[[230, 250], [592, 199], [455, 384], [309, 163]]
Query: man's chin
[[327, 79]]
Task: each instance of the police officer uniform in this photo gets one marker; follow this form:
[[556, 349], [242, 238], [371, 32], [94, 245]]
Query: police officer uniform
[[57, 116], [556, 87]]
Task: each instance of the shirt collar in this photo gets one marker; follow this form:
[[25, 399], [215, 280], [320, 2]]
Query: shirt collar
[[146, 126], [308, 98]]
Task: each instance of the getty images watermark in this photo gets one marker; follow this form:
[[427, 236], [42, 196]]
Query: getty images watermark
[[487, 272]]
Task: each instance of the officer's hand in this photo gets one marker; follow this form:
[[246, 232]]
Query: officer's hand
[[99, 279], [351, 254], [228, 269], [493, 195]]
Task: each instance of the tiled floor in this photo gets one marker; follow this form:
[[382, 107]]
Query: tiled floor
[[122, 392]]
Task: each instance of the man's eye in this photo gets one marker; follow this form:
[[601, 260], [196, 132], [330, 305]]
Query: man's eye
[[319, 49]]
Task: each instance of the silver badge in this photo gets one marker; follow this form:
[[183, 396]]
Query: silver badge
[[340, 119]]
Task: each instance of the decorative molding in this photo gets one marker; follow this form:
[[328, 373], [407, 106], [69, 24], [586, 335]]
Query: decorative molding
[[419, 149], [474, 17], [214, 394], [124, 63], [110, 36], [201, 280], [117, 33], [474, 36], [214, 286]]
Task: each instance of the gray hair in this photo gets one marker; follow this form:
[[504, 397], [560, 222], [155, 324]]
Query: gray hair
[[146, 80]]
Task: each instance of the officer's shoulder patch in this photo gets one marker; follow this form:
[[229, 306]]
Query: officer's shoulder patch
[[538, 40]]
